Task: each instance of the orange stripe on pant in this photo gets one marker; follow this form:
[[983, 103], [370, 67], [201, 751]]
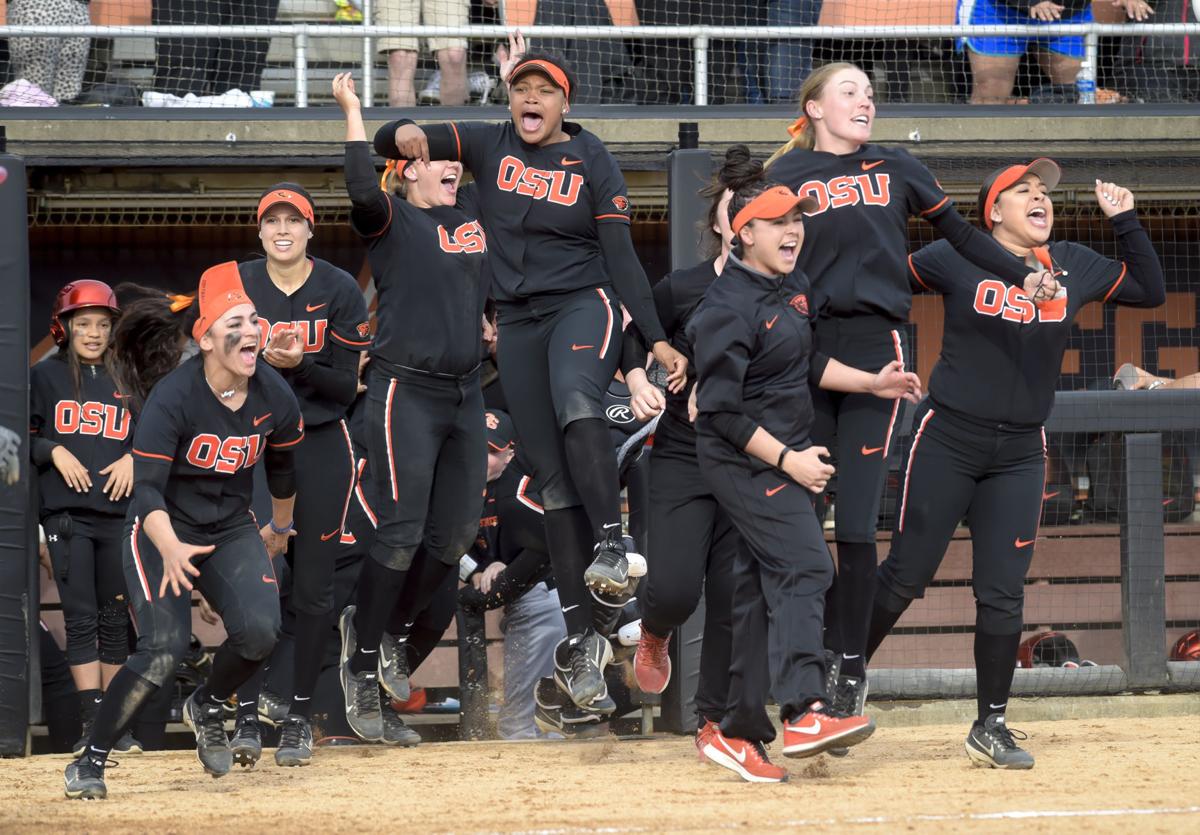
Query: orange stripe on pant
[[608, 327], [137, 560], [887, 439], [908, 470]]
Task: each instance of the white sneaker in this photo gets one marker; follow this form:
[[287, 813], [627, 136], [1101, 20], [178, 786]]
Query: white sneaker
[[630, 635], [431, 93]]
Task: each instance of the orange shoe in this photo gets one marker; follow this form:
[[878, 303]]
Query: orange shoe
[[651, 663], [748, 759], [415, 702], [820, 728], [704, 734]]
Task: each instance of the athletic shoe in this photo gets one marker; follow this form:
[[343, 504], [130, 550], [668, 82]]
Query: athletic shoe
[[395, 732], [833, 667], [704, 735], [850, 698], [393, 667], [479, 86], [246, 745], [272, 709], [554, 712], [84, 779], [361, 690], [630, 635], [1127, 377], [84, 737], [212, 745], [652, 663], [415, 703], [992, 743], [127, 745], [295, 742], [579, 663], [820, 728], [747, 759], [637, 563], [609, 571]]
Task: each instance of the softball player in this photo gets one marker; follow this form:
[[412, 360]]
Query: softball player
[[755, 360], [425, 424], [81, 430], [556, 211], [314, 324], [864, 195], [692, 542], [198, 438], [979, 449]]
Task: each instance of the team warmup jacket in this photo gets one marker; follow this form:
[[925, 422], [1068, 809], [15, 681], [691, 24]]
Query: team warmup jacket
[[331, 315], [92, 424], [1001, 354], [857, 239]]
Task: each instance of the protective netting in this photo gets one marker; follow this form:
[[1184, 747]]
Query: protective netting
[[284, 52]]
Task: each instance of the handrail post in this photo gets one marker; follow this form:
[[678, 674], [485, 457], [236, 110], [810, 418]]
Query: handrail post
[[1143, 565], [301, 66], [700, 70], [368, 84]]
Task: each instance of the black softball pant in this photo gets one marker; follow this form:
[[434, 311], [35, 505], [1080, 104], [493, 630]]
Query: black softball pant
[[692, 548], [780, 576], [237, 580], [85, 552], [427, 452], [324, 487], [993, 474]]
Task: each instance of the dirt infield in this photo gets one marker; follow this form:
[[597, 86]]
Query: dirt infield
[[1096, 775]]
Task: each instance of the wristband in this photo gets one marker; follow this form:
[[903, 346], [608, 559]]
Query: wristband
[[782, 455], [1152, 386], [285, 529]]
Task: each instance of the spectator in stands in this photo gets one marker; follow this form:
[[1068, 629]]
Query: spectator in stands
[[789, 62], [1132, 378], [211, 66], [53, 65], [1162, 68], [451, 52]]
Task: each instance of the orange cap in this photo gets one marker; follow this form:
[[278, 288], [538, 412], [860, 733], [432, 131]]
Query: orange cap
[[545, 67], [775, 202], [1003, 179], [294, 199], [220, 289]]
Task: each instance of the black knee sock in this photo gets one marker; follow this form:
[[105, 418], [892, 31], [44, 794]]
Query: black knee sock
[[312, 632], [855, 586], [995, 660], [593, 466], [89, 703], [378, 589], [423, 580], [126, 694], [567, 535], [883, 618], [247, 694], [421, 642], [832, 635], [229, 672]]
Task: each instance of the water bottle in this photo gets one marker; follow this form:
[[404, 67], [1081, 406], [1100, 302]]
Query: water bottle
[[1085, 83]]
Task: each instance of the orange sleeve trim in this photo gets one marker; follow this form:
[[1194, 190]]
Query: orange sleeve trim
[[153, 455], [609, 217], [935, 208], [913, 269], [457, 140], [288, 443], [349, 342], [1117, 283]]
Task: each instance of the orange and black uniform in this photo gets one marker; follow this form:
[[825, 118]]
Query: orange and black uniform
[[978, 448], [83, 530], [857, 242], [557, 222], [330, 316], [194, 459], [755, 362], [426, 434]]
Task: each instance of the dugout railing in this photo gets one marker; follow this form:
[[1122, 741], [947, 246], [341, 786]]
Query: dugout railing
[[700, 38]]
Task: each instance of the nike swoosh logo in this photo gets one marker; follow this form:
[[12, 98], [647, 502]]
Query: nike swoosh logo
[[1021, 543], [870, 450], [772, 491], [267, 579], [575, 347], [259, 420], [385, 661], [1050, 495], [566, 161], [771, 323], [325, 537], [311, 307], [740, 756], [867, 166], [813, 731], [569, 608]]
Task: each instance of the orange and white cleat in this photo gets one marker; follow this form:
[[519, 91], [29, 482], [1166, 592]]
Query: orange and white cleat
[[704, 734], [748, 759], [652, 663], [820, 728]]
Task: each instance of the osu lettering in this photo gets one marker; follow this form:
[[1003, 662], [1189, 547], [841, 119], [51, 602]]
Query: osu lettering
[[224, 455], [868, 189], [468, 239], [91, 418], [557, 187], [995, 298], [311, 334]]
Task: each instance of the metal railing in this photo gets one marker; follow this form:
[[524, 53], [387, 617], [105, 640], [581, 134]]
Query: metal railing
[[699, 36]]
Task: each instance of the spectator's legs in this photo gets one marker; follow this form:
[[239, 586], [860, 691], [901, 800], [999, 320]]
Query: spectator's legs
[[402, 66], [453, 64], [532, 628], [451, 52], [54, 64], [239, 62], [181, 65], [1060, 69], [993, 78], [789, 62], [401, 52]]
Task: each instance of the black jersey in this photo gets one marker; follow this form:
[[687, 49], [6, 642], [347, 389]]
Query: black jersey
[[857, 239], [1001, 353], [92, 423], [540, 205], [331, 316], [754, 360], [200, 454]]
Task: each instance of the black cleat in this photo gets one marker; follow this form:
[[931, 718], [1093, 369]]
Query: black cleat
[[609, 571], [393, 667], [272, 709], [395, 732], [849, 697], [361, 690], [246, 745], [127, 745], [207, 722], [554, 712], [579, 664], [295, 742], [84, 779], [993, 744]]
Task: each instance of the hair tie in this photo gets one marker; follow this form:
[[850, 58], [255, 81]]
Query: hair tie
[[180, 301], [392, 166], [798, 127]]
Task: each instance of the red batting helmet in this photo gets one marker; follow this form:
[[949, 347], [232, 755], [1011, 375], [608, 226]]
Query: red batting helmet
[[83, 293], [1187, 648], [1048, 649]]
